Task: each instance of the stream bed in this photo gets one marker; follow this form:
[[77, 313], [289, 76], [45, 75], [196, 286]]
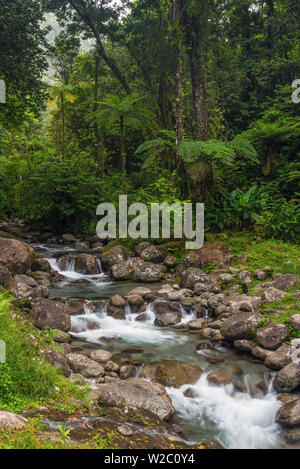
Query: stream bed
[[238, 420]]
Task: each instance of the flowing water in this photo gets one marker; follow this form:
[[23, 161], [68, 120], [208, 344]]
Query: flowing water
[[244, 420]]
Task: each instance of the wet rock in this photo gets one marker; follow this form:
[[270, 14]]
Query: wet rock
[[288, 378], [241, 326], [49, 313], [86, 264], [213, 252], [17, 256], [289, 414], [271, 337], [78, 307], [215, 301], [280, 358], [190, 277], [197, 324], [295, 321], [293, 436], [245, 276], [12, 421], [187, 303], [172, 373], [145, 396], [58, 360], [65, 262], [261, 353], [143, 317], [204, 346], [191, 392], [141, 247], [167, 313], [135, 300], [151, 254], [101, 356], [270, 295], [118, 301], [116, 313], [84, 365], [219, 377], [127, 371], [244, 345], [41, 265], [114, 255], [148, 272]]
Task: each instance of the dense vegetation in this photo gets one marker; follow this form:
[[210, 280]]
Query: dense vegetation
[[181, 100]]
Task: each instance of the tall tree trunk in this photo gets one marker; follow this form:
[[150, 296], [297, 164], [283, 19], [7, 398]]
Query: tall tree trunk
[[123, 156], [63, 126], [199, 96], [95, 108]]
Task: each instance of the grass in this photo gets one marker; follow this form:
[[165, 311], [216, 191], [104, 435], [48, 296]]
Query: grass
[[26, 381], [283, 310]]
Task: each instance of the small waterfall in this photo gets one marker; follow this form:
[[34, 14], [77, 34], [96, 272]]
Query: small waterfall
[[99, 263], [242, 421]]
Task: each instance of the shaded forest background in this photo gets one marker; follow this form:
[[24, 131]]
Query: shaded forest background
[[183, 100]]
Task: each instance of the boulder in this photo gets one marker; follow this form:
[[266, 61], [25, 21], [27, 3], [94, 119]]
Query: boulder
[[141, 247], [190, 277], [261, 353], [295, 321], [244, 345], [118, 301], [207, 284], [146, 397], [288, 378], [17, 256], [226, 279], [142, 291], [101, 356], [66, 263], [135, 300], [12, 421], [270, 295], [84, 365], [260, 275], [285, 281], [219, 377], [293, 436], [26, 279], [148, 272], [241, 326], [172, 373], [271, 337], [245, 276], [167, 313], [50, 313], [79, 307], [114, 255], [62, 337], [197, 324], [116, 313], [22, 290], [58, 360], [41, 265], [68, 238], [213, 252], [6, 279], [170, 262], [127, 371], [289, 414], [151, 254], [281, 357], [86, 264]]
